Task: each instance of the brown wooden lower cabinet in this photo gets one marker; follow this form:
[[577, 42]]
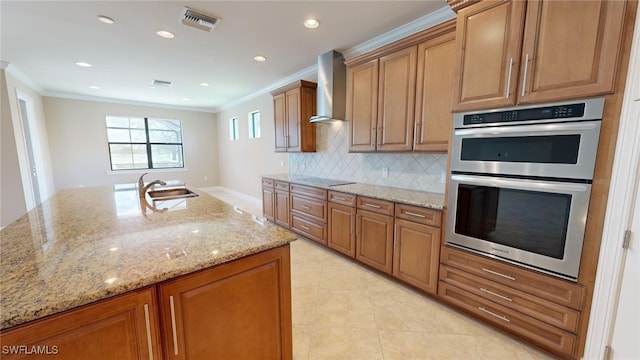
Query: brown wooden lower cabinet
[[417, 254], [268, 199], [342, 223], [282, 213], [374, 240], [124, 327], [239, 310]]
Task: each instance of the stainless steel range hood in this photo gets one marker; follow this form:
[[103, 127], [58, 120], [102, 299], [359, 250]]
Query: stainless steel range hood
[[332, 88]]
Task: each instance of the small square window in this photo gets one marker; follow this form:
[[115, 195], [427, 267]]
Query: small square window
[[254, 124], [234, 133]]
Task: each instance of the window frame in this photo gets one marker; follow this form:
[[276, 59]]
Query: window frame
[[234, 129], [253, 134], [148, 144]]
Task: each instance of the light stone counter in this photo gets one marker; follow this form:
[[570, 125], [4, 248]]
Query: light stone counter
[[84, 245], [411, 197]]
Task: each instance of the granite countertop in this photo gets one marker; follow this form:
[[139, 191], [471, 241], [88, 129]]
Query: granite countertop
[[405, 196], [87, 244]]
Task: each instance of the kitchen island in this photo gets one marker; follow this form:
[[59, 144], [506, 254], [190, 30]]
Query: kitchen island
[[191, 258]]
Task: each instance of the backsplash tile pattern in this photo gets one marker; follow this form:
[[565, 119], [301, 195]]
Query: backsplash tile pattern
[[332, 159]]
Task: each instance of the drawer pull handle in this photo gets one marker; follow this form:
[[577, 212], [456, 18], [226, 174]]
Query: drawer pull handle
[[173, 325], [372, 205], [305, 207], [498, 274], [304, 227], [339, 198], [148, 325], [414, 214], [494, 294], [503, 318]]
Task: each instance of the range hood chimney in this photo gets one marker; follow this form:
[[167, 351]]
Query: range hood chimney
[[332, 88]]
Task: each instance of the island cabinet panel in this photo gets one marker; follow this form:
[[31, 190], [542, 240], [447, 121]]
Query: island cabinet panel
[[293, 105], [433, 117], [416, 250], [268, 199], [342, 224], [362, 106], [123, 327], [517, 52], [239, 310]]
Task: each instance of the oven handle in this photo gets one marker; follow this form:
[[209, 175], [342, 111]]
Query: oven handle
[[520, 184], [529, 129]]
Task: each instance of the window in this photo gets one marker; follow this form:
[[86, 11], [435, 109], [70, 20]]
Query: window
[[254, 124], [144, 143], [234, 134]]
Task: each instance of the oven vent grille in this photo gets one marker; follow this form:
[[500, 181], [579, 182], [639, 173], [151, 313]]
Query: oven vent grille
[[161, 83], [198, 20]]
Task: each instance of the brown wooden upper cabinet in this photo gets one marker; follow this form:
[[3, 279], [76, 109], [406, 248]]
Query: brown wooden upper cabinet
[[398, 97], [517, 52], [293, 105]]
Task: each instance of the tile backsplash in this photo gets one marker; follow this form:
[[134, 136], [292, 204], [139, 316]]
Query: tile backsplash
[[332, 159]]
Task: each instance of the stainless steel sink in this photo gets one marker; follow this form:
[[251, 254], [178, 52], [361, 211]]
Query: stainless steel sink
[[168, 194]]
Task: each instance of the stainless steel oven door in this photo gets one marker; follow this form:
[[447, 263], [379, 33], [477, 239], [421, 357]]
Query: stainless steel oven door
[[560, 150], [536, 224]]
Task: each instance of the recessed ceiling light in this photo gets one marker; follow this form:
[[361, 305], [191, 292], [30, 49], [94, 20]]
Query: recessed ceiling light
[[185, 99], [106, 19], [83, 64], [165, 34], [260, 58], [204, 84], [94, 87], [311, 23]]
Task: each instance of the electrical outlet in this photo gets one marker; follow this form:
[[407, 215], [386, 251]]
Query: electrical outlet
[[385, 172], [282, 163], [206, 178]]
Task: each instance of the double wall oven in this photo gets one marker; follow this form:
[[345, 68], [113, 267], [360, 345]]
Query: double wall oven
[[521, 181]]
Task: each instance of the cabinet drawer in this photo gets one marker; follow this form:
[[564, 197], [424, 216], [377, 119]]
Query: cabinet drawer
[[541, 309], [309, 228], [419, 214], [547, 287], [542, 334], [314, 208], [309, 191], [375, 205], [282, 185], [342, 198], [267, 183]]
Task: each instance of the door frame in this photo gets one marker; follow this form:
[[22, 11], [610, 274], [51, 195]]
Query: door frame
[[619, 212]]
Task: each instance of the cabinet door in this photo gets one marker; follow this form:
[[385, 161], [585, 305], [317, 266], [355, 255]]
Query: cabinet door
[[342, 223], [268, 203], [417, 255], [374, 240], [238, 310], [124, 327], [570, 50], [279, 115], [396, 100], [362, 106], [282, 213], [292, 109], [433, 94], [488, 42]]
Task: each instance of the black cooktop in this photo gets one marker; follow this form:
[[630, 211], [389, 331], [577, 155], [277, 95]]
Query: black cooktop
[[323, 181]]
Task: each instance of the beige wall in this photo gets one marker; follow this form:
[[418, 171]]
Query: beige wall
[[78, 140], [16, 183], [243, 161]]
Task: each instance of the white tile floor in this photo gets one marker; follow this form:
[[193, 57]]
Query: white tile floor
[[343, 310]]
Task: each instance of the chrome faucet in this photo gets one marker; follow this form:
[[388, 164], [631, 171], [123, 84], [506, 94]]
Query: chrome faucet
[[142, 188]]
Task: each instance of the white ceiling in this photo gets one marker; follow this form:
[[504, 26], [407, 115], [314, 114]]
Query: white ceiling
[[43, 40]]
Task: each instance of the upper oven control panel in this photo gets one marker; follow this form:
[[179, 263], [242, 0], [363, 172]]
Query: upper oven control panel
[[573, 111]]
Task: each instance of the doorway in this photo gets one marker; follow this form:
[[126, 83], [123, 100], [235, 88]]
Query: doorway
[[31, 165]]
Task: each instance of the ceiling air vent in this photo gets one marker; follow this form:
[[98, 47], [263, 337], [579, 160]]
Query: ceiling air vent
[[198, 20], [161, 83]]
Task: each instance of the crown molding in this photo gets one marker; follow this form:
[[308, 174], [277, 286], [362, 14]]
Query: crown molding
[[22, 77], [439, 16], [304, 73]]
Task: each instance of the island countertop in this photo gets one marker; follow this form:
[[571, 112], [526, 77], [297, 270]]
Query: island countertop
[[83, 245]]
